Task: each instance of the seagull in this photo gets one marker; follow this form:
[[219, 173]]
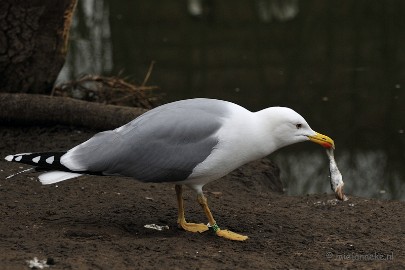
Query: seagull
[[186, 143]]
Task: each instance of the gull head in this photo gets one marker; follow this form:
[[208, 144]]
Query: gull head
[[288, 127]]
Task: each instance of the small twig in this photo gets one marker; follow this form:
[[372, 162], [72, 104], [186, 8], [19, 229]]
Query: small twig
[[23, 171], [53, 90], [148, 73]]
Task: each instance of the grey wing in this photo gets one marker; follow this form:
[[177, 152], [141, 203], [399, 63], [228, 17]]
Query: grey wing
[[163, 145]]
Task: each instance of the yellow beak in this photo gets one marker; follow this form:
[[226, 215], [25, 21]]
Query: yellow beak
[[323, 140]]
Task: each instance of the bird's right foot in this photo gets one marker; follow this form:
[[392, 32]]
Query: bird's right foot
[[192, 227]]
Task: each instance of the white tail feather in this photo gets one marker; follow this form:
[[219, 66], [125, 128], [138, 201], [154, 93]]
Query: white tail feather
[[56, 176]]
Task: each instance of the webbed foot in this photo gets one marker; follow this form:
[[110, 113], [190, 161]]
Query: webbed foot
[[231, 235], [193, 227]]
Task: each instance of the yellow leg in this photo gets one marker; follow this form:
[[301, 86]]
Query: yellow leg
[[181, 220], [202, 200]]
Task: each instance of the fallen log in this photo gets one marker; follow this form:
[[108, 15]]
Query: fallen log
[[31, 109]]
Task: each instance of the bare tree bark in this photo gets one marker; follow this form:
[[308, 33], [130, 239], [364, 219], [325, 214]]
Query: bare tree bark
[[31, 109], [33, 43]]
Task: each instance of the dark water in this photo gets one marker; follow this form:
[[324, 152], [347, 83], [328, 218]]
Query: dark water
[[338, 63]]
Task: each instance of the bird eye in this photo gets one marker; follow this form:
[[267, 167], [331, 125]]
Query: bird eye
[[298, 126]]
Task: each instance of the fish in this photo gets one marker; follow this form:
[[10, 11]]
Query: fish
[[336, 179]]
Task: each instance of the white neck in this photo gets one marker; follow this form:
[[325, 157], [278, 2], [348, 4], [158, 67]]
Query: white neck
[[264, 131]]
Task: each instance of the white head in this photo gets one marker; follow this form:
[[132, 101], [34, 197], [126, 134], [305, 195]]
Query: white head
[[285, 126]]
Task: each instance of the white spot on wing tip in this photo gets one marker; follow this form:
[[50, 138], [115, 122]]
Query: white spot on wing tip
[[16, 157], [36, 159], [50, 160]]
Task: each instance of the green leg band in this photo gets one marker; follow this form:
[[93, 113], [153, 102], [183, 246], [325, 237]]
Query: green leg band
[[215, 227]]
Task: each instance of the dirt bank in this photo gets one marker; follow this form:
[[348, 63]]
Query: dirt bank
[[98, 222]]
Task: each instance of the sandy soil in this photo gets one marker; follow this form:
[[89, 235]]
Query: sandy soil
[[98, 222]]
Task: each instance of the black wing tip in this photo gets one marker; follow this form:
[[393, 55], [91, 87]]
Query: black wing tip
[[45, 161], [49, 160]]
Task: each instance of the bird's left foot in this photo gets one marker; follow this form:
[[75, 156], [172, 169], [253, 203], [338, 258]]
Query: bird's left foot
[[228, 234], [231, 235]]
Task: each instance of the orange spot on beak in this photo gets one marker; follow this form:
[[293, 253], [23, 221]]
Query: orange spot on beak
[[323, 140]]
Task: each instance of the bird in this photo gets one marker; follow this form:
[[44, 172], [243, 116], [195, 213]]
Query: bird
[[186, 143]]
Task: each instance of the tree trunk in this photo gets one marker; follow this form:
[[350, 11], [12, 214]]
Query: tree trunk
[[33, 43]]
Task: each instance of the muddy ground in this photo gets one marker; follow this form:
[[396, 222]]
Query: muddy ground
[[98, 222]]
